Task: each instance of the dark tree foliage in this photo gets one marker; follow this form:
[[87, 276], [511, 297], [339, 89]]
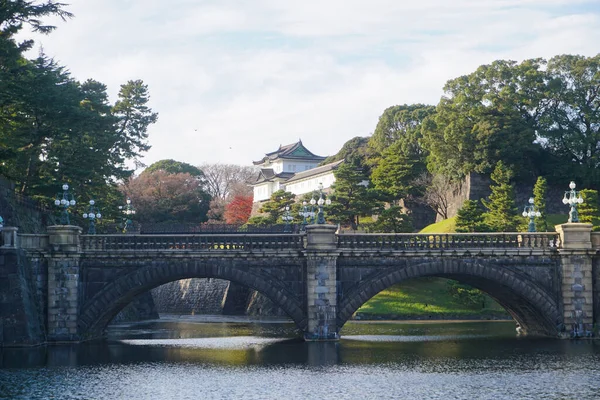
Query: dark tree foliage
[[392, 220], [589, 210], [352, 196], [354, 150], [501, 215], [539, 200], [175, 167], [470, 217]]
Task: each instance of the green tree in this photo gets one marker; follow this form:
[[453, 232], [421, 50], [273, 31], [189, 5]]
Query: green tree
[[501, 215], [392, 220], [133, 119], [276, 205], [401, 124], [175, 167], [570, 123], [470, 217], [484, 117], [352, 197], [163, 197], [354, 149], [589, 210], [539, 200], [396, 173]]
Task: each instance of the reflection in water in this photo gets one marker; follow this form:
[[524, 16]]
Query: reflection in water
[[184, 359]]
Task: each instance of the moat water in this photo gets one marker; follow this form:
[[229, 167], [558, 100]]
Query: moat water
[[214, 358]]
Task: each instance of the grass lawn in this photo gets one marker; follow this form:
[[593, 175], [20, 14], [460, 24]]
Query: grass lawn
[[445, 226], [424, 297]]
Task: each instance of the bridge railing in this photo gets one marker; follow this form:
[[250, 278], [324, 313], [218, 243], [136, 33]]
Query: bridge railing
[[439, 241], [211, 242]]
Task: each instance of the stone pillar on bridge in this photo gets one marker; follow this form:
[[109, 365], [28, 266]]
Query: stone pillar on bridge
[[576, 257], [321, 258], [63, 282]]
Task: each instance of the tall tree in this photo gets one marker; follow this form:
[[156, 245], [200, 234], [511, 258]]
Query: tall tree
[[501, 215], [487, 116], [469, 217], [539, 200], [276, 205], [133, 119], [175, 167], [162, 197], [352, 197], [396, 173], [401, 124], [225, 180], [570, 123], [238, 210], [589, 210]]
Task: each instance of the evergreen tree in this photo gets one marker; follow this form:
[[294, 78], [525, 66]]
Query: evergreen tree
[[470, 217], [352, 197], [589, 210], [392, 220], [502, 211], [539, 200], [275, 207]]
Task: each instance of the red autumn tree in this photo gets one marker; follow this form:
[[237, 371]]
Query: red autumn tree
[[238, 210]]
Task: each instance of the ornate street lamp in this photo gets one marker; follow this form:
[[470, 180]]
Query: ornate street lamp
[[572, 198], [92, 214], [64, 200], [287, 218], [321, 202], [129, 212], [532, 213], [307, 214]]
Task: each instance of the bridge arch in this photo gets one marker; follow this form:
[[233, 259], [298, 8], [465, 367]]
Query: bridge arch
[[98, 311], [530, 304]]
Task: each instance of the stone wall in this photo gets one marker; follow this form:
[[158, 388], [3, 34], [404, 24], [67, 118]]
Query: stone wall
[[211, 296], [190, 296], [21, 211], [21, 307]]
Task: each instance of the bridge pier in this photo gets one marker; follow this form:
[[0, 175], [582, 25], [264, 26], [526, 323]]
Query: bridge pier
[[321, 283], [577, 279], [63, 283]]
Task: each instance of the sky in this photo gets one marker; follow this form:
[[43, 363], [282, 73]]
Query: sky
[[233, 79]]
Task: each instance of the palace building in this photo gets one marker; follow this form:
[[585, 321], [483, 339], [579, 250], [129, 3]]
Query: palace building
[[292, 168]]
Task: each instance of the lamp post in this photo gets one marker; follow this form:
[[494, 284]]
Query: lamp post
[[129, 211], [532, 213], [322, 201], [307, 214], [572, 198], [287, 218], [92, 214], [64, 200]]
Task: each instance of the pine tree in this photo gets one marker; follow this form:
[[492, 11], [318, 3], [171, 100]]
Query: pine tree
[[589, 210], [539, 200], [470, 217], [502, 211]]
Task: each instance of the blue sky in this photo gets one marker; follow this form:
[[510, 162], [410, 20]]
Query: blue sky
[[233, 79]]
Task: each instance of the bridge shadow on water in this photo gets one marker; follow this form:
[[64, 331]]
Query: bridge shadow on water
[[413, 346]]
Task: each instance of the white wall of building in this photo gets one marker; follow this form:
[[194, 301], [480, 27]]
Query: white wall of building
[[311, 183]]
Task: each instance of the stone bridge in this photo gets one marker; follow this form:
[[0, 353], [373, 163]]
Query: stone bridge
[[72, 285]]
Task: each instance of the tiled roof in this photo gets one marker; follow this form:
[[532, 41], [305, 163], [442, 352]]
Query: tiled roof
[[290, 151], [267, 175]]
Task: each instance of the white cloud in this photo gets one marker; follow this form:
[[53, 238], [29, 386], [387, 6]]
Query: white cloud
[[232, 79]]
